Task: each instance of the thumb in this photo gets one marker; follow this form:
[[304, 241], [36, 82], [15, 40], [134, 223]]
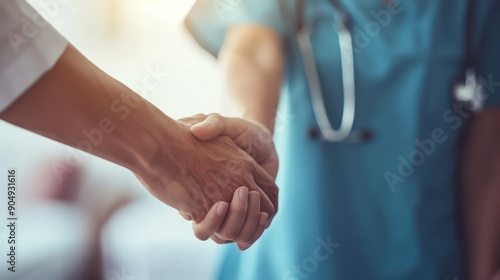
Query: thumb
[[208, 129]]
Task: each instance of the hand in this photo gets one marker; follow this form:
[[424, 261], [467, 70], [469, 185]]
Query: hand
[[244, 222], [254, 139], [192, 175]]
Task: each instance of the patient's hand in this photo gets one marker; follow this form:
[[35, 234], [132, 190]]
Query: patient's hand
[[256, 141]]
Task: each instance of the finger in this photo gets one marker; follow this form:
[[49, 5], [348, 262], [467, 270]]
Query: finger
[[266, 183], [210, 128], [212, 221], [243, 247], [263, 221], [258, 232], [193, 119], [231, 227], [252, 219], [265, 203], [270, 164], [186, 216], [234, 127], [215, 125], [255, 139], [219, 240]]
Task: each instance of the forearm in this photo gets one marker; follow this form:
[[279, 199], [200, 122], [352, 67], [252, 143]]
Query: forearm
[[77, 104], [481, 195], [252, 63]]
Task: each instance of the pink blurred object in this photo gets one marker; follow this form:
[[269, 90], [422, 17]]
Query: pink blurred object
[[59, 187]]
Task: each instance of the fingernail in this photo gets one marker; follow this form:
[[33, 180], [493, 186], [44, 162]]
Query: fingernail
[[222, 209], [203, 124], [263, 219], [244, 193], [207, 122]]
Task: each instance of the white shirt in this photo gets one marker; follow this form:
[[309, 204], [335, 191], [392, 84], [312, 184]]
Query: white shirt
[[29, 47]]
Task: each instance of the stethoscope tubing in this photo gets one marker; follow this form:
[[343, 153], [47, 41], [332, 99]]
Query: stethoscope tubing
[[327, 132]]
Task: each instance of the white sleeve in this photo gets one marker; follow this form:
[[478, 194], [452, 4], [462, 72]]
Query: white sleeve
[[29, 47]]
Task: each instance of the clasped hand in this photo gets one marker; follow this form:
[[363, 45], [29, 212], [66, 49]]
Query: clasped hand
[[221, 176]]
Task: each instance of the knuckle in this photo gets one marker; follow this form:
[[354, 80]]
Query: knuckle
[[215, 116], [272, 212], [200, 234], [275, 198], [196, 217], [250, 160], [273, 192]]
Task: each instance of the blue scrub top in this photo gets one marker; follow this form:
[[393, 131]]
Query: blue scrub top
[[386, 208]]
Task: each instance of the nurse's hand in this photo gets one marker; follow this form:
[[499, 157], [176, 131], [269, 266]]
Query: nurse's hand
[[254, 139], [241, 221]]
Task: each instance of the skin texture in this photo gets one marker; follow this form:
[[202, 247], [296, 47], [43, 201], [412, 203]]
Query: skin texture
[[254, 139], [203, 175], [74, 99], [257, 142]]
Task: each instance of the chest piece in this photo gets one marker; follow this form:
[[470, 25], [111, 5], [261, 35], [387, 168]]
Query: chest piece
[[470, 93]]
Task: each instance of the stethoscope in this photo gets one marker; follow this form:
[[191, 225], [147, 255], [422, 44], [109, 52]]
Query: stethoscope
[[464, 90]]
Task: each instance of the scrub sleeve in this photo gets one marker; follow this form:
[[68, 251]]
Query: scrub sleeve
[[209, 20]]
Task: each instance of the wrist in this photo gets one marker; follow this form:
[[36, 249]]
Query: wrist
[[168, 143]]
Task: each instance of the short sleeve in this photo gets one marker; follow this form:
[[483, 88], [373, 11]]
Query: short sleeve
[[487, 35], [29, 47], [208, 20]]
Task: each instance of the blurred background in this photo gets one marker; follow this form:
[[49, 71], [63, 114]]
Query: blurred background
[[99, 222]]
